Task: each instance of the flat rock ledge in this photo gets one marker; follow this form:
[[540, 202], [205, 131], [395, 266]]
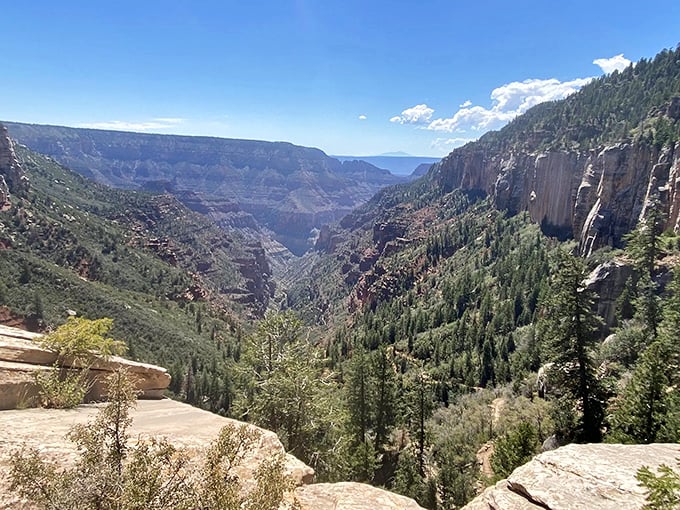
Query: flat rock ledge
[[589, 476], [21, 358], [185, 427]]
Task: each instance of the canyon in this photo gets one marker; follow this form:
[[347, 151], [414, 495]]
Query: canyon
[[276, 191]]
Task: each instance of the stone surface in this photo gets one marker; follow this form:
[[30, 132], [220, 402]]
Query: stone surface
[[351, 496], [591, 476], [608, 281], [20, 358], [183, 425]]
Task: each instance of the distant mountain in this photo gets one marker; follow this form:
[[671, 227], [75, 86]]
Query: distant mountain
[[397, 163], [270, 189]]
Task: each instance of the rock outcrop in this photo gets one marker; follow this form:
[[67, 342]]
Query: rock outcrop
[[590, 476], [21, 358], [595, 196], [12, 177], [608, 281], [188, 428]]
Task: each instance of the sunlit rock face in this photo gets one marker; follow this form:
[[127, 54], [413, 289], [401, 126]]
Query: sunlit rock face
[[595, 197], [592, 476], [12, 177]]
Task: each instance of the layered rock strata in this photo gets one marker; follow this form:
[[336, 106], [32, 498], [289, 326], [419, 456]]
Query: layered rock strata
[[21, 358]]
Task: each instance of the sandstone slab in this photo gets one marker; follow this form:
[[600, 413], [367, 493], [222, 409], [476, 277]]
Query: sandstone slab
[[183, 425], [591, 476], [21, 358]]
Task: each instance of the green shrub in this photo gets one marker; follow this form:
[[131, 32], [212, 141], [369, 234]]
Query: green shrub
[[61, 388], [663, 490], [82, 338]]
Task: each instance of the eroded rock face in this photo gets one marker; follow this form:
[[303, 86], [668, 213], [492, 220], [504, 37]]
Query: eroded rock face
[[21, 358], [595, 196], [590, 476], [12, 177], [608, 281], [274, 188]]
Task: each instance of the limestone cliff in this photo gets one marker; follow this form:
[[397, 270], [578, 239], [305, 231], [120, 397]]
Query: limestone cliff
[[588, 476], [12, 177], [595, 196]]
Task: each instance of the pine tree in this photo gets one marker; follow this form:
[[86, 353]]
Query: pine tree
[[385, 395], [571, 327]]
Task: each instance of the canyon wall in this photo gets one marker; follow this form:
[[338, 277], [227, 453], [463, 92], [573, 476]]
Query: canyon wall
[[595, 197]]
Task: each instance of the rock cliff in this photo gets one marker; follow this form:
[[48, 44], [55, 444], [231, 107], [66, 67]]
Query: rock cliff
[[12, 177], [590, 476], [595, 196]]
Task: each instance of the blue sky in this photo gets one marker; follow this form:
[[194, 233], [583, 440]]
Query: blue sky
[[349, 77]]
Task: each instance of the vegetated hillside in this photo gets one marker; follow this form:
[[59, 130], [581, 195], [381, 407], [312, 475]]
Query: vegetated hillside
[[272, 189], [566, 163], [177, 286], [444, 299]]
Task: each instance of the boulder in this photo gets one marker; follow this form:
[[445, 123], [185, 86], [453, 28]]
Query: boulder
[[588, 476], [350, 496], [21, 358]]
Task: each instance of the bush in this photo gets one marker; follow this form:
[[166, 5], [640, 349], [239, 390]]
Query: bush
[[61, 388], [76, 344], [82, 338], [663, 490], [514, 449]]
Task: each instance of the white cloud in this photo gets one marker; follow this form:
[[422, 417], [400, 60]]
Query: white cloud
[[362, 117], [120, 125], [465, 104], [418, 114], [615, 63], [509, 101], [445, 145]]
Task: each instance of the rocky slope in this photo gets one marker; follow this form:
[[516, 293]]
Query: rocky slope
[[272, 188], [184, 426], [594, 196], [592, 476]]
